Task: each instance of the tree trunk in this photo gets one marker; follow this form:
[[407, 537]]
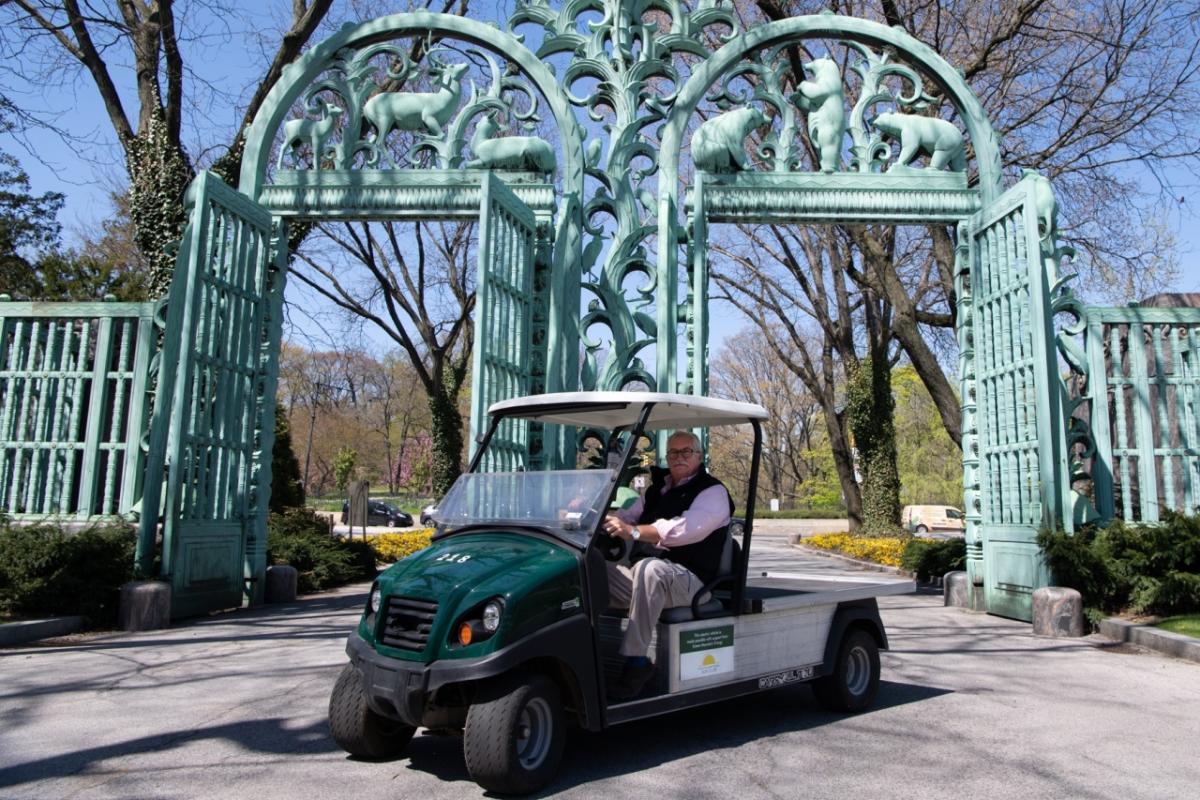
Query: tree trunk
[[870, 407], [447, 440]]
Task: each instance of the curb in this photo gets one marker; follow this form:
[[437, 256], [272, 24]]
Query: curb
[[31, 630], [1171, 644]]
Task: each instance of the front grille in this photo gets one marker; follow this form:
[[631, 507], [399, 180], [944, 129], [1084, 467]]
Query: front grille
[[407, 622]]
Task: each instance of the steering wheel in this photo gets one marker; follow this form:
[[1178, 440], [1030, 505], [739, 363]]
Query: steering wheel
[[613, 548]]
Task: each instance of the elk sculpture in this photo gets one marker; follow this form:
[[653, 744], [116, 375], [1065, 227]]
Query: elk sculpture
[[509, 152], [415, 111], [314, 132]]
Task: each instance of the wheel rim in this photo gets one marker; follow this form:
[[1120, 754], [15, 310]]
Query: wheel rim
[[533, 733], [858, 671]]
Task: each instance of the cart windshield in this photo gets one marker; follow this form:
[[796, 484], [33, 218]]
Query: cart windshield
[[566, 503]]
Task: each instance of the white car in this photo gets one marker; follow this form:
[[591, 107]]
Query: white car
[[427, 515]]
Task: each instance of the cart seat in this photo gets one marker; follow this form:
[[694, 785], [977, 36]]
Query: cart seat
[[700, 608]]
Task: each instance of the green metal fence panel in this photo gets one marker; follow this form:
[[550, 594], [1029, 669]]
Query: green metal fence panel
[[73, 383], [1021, 444], [215, 409], [503, 320], [1144, 411]]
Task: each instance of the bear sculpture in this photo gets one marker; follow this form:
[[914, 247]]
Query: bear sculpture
[[939, 138], [824, 101], [718, 144]]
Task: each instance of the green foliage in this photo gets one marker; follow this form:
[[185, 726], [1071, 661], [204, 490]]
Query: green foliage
[[301, 538], [928, 460], [47, 571], [29, 226], [343, 467], [1143, 569], [287, 487], [932, 558], [815, 512], [870, 409]]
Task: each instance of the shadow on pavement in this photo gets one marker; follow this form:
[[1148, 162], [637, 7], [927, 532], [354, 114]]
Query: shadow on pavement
[[264, 736], [646, 744]]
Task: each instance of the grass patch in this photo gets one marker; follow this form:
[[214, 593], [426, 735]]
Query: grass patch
[[1187, 624]]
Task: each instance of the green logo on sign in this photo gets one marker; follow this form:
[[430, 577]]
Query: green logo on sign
[[707, 639]]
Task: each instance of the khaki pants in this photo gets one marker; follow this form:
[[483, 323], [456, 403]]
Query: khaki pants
[[646, 588]]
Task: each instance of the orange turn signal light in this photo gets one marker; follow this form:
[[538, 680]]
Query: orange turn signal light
[[464, 633]]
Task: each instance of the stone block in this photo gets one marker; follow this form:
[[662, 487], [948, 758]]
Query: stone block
[[145, 606], [955, 589], [1057, 612], [281, 583]]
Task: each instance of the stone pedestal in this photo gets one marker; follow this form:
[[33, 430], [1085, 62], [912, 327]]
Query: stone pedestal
[[281, 584], [955, 589], [145, 606], [1058, 612]]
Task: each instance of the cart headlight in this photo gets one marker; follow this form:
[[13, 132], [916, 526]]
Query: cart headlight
[[376, 599], [491, 616], [478, 624]]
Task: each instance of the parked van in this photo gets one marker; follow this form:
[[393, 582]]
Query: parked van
[[923, 519]]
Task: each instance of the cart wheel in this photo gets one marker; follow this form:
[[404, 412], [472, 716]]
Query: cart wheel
[[855, 678], [356, 728], [514, 741]]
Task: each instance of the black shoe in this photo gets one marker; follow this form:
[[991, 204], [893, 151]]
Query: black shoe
[[633, 680]]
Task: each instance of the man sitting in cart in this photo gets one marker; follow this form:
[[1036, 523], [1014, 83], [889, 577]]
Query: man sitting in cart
[[683, 515]]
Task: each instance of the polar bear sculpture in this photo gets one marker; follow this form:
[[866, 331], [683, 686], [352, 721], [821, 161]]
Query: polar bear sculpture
[[939, 138], [717, 145], [824, 100]]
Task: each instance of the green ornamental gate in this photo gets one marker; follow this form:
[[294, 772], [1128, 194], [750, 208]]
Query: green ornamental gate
[[214, 419], [1021, 447], [583, 234]]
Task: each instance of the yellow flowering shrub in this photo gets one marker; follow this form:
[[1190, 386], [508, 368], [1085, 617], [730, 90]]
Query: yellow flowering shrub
[[881, 550], [390, 547]]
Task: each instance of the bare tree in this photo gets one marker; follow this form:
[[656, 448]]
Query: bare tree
[[416, 285], [746, 369]]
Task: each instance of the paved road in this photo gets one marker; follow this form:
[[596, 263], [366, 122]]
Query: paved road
[[970, 706]]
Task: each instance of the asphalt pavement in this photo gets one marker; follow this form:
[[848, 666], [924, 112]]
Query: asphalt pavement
[[234, 706]]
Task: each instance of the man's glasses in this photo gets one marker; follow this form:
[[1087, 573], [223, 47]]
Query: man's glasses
[[686, 452]]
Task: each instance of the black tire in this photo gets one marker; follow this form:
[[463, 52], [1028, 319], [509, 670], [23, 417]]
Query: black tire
[[356, 728], [855, 678], [922, 529], [514, 737], [391, 522]]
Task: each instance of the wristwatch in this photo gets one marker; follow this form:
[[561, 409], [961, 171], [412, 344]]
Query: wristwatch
[[634, 533]]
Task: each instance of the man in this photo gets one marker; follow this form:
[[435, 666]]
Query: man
[[683, 516]]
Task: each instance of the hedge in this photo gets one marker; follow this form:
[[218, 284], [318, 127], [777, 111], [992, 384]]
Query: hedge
[[1130, 568], [48, 571]]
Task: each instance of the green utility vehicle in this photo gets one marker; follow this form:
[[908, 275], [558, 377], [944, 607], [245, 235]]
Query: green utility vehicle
[[502, 627]]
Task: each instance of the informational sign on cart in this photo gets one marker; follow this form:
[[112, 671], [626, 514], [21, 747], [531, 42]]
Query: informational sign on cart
[[705, 652]]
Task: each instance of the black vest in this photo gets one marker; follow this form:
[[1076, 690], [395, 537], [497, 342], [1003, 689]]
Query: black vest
[[703, 557]]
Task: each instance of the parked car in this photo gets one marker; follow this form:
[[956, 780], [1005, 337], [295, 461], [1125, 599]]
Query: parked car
[[427, 514], [381, 513], [923, 519]]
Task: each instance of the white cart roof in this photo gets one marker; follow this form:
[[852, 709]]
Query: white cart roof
[[610, 410]]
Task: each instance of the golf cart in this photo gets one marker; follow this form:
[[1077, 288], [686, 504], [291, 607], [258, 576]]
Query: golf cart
[[502, 628]]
